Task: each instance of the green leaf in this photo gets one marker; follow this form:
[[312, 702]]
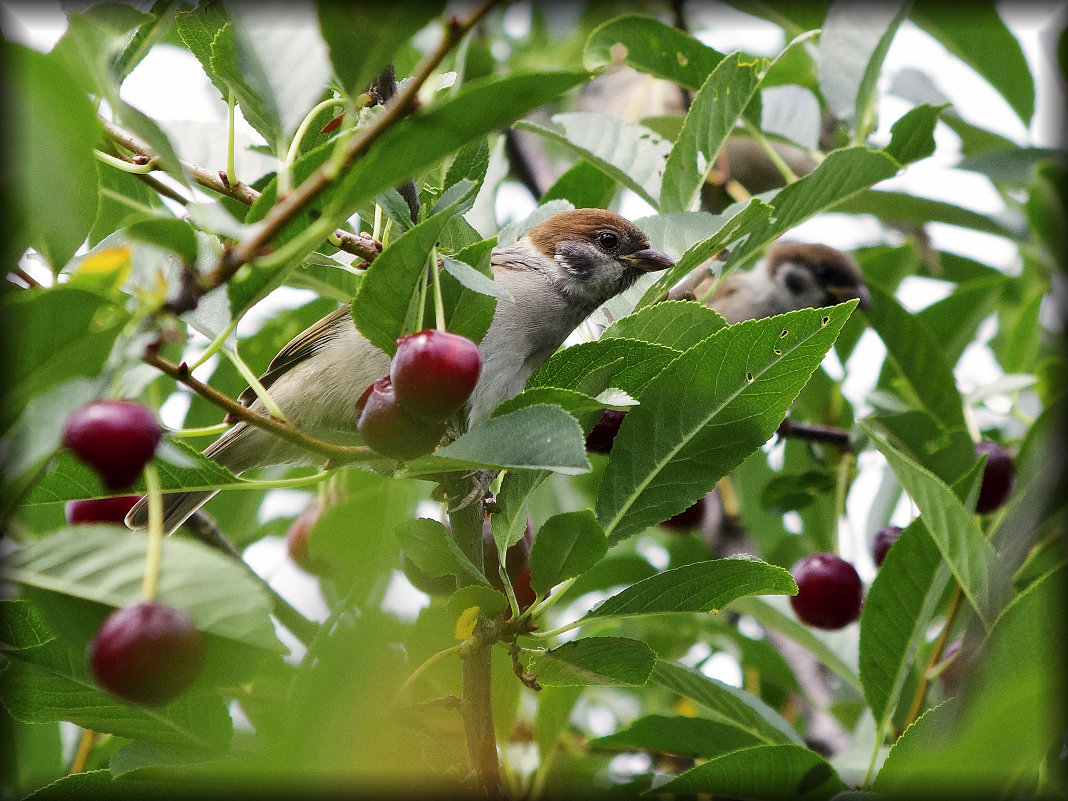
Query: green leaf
[[364, 38], [1009, 716], [696, 737], [602, 661], [489, 601], [71, 479], [1047, 206], [770, 617], [592, 367], [1013, 164], [679, 324], [762, 771], [583, 186], [197, 29], [21, 627], [902, 207], [628, 152], [472, 279], [853, 44], [539, 437], [982, 41], [897, 610], [698, 587], [50, 180], [105, 564], [54, 335], [168, 233], [652, 47], [470, 163], [912, 136], [952, 527], [926, 441], [839, 176], [710, 119], [727, 704], [91, 45], [225, 65], [706, 411], [428, 544], [753, 216], [380, 309], [510, 520], [575, 403], [567, 545]]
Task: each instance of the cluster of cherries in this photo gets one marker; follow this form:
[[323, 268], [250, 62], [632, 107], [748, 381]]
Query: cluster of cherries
[[149, 653], [402, 415]]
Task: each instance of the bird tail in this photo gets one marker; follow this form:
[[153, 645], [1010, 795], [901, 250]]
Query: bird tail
[[180, 506]]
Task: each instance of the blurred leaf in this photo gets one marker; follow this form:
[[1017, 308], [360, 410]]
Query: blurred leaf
[[51, 186], [1047, 207], [652, 47], [677, 324], [711, 117], [853, 44], [584, 186], [628, 152], [430, 546], [220, 594], [91, 45], [923, 439], [791, 112], [147, 128], [841, 175], [951, 526], [602, 661], [697, 737], [54, 335], [567, 545], [112, 213], [955, 319], [904, 209], [770, 617], [171, 234], [912, 136], [1008, 718], [982, 41], [21, 627], [698, 587], [1013, 165], [71, 479], [225, 65], [761, 771], [553, 716], [474, 280], [363, 38], [537, 437], [795, 491], [727, 704], [471, 163], [706, 411]]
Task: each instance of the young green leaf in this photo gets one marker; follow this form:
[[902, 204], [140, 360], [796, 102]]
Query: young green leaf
[[674, 324], [698, 587], [592, 367], [761, 771], [696, 737], [912, 136], [429, 546], [584, 187], [706, 411], [566, 545], [569, 400], [602, 661]]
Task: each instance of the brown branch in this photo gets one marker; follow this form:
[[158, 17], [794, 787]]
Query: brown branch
[[359, 245], [337, 454], [812, 432], [385, 88], [287, 208]]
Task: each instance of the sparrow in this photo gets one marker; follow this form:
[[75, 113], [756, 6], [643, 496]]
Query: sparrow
[[794, 275], [558, 273]]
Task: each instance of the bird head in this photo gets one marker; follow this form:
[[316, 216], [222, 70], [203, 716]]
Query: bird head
[[816, 275]]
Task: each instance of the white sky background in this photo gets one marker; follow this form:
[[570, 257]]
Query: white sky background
[[170, 86]]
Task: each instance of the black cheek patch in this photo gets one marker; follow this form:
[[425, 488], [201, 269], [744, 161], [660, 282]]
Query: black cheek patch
[[577, 259]]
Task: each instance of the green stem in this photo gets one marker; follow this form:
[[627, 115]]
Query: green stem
[[772, 154], [254, 382], [154, 551], [419, 671], [439, 305], [538, 607], [231, 164], [285, 174], [216, 344], [202, 431], [125, 166]]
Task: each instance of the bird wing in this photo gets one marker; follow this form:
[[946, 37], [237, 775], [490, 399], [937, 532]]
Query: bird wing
[[303, 345]]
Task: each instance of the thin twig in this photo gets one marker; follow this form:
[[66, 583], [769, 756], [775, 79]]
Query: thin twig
[[337, 454], [813, 432]]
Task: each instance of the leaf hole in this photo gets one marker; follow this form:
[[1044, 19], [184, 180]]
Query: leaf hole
[[748, 376], [777, 352], [618, 51], [826, 320], [784, 333]]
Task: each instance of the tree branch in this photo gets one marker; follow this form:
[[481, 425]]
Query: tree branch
[[338, 454], [813, 432]]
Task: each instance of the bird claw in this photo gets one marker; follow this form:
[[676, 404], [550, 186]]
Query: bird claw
[[482, 479]]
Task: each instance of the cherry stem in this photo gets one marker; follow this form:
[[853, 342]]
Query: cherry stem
[[439, 304], [231, 163], [419, 671], [85, 747], [154, 550]]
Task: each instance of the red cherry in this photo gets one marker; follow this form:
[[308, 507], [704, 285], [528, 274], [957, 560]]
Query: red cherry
[[999, 477], [115, 438], [434, 373], [391, 431], [954, 673], [601, 437], [829, 591], [297, 541], [100, 510], [147, 654], [880, 544], [516, 558], [688, 518], [524, 592]]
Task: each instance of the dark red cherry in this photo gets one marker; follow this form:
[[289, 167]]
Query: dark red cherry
[[389, 429], [880, 544], [434, 373], [147, 654], [829, 591], [516, 558], [688, 518], [117, 438], [999, 477], [524, 592], [100, 510], [601, 437]]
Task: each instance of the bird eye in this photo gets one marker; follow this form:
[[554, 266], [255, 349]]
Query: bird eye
[[607, 240]]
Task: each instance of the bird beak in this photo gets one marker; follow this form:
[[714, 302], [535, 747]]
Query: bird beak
[[843, 293], [650, 260]]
